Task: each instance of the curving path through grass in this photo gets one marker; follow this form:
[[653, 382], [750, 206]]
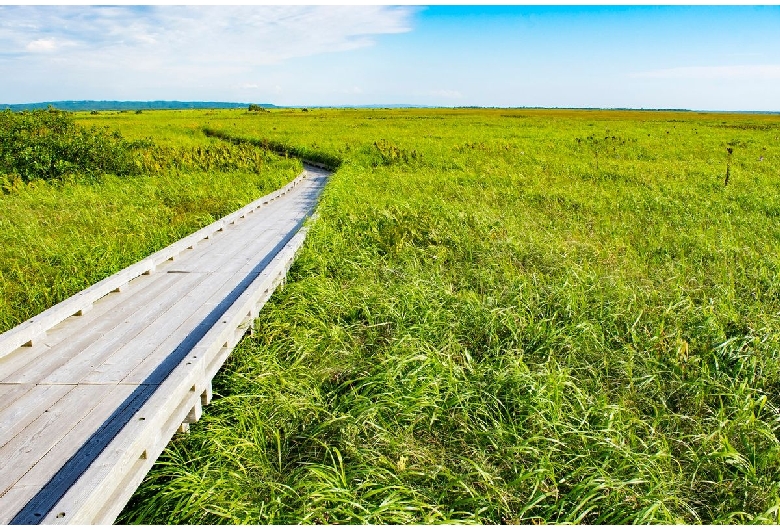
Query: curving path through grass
[[94, 388]]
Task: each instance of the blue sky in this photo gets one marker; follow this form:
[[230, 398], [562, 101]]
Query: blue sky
[[697, 57]]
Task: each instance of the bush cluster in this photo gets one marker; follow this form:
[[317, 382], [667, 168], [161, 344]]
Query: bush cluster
[[49, 145]]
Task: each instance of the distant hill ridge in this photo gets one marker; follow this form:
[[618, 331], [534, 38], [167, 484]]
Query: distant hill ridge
[[87, 105], [130, 105]]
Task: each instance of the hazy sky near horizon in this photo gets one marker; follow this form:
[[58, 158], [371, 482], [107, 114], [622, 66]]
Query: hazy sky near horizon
[[696, 57]]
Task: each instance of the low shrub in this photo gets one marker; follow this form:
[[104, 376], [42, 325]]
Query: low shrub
[[48, 145]]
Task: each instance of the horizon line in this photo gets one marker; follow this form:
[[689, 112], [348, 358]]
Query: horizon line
[[237, 104]]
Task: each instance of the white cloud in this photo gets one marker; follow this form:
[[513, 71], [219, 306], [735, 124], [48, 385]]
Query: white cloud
[[166, 46], [737, 72], [249, 35], [41, 45]]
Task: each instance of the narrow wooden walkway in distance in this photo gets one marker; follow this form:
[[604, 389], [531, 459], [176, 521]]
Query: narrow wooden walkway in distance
[[89, 401]]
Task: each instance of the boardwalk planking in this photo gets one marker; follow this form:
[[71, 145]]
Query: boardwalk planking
[[63, 391]]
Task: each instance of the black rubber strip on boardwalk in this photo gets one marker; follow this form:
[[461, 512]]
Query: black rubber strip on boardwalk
[[47, 497]]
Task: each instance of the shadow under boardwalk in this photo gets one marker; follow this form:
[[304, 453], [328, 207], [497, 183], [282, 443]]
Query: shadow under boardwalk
[[89, 403]]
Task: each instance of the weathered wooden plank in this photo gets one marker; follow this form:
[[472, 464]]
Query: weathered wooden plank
[[121, 475], [244, 251], [20, 411], [125, 329], [10, 392], [25, 449], [175, 334], [125, 461], [13, 500], [233, 248], [33, 364], [231, 253], [220, 340], [161, 336], [59, 364], [107, 399]]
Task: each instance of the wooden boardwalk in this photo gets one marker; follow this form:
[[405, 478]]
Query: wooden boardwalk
[[93, 389]]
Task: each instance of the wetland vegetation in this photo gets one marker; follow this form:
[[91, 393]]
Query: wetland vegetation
[[500, 316]]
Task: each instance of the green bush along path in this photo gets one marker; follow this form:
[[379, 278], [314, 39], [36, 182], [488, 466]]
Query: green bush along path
[[500, 316]]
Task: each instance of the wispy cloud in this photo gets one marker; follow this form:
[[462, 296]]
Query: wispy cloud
[[740, 72], [260, 34], [159, 45]]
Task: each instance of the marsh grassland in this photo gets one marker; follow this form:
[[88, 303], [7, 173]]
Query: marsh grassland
[[79, 203], [500, 316]]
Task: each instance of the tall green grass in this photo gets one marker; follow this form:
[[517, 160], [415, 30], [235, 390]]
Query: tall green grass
[[62, 235], [49, 145], [506, 317]]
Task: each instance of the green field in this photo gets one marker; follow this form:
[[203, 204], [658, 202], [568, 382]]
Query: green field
[[63, 228], [500, 316]]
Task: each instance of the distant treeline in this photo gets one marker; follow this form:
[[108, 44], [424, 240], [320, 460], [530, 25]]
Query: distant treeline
[[130, 105]]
